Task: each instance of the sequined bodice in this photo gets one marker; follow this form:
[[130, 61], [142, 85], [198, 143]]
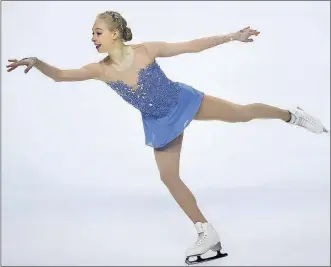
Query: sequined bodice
[[155, 95]]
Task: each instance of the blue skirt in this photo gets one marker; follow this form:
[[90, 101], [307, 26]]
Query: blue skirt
[[160, 132]]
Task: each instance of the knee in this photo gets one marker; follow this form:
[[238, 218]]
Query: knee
[[168, 177], [243, 113]]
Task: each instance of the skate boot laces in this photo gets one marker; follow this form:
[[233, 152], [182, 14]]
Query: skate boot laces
[[304, 120], [202, 233], [201, 238]]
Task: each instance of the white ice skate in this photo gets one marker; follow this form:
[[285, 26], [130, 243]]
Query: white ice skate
[[301, 118], [208, 239]]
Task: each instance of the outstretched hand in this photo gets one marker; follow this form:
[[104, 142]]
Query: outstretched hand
[[244, 34], [29, 62]]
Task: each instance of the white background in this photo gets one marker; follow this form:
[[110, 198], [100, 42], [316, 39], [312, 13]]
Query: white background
[[79, 187]]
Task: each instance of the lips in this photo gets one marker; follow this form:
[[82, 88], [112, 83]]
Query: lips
[[97, 46]]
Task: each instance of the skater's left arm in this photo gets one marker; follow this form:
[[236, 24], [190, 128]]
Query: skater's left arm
[[164, 49]]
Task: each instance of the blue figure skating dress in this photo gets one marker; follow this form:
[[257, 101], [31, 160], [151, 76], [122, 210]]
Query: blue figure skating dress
[[166, 107]]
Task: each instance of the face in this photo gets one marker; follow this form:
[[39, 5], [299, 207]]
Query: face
[[102, 37]]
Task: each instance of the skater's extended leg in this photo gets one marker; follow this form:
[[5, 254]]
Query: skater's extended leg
[[168, 164], [213, 108]]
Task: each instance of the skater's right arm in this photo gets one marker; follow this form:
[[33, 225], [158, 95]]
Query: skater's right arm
[[89, 71]]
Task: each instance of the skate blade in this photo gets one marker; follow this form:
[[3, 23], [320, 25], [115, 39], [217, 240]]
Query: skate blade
[[201, 260]]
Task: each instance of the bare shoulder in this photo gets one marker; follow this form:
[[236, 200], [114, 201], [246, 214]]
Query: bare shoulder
[[136, 45], [92, 66], [92, 70], [95, 69], [151, 48]]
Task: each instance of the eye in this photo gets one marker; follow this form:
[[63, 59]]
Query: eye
[[97, 33]]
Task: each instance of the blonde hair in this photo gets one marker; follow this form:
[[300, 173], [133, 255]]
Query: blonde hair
[[116, 21]]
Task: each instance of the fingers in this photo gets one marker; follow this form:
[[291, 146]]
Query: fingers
[[15, 63], [28, 68], [244, 29], [12, 68], [12, 64], [253, 32], [248, 40], [250, 31]]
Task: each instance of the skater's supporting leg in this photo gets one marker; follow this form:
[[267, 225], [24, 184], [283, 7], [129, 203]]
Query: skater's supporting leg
[[168, 164], [213, 108], [168, 160]]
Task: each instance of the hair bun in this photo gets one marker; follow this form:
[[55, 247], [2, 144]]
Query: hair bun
[[127, 34]]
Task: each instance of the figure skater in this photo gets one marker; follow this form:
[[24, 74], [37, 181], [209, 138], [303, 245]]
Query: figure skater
[[167, 107]]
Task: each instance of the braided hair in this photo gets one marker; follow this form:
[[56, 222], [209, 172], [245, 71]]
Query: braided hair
[[116, 21]]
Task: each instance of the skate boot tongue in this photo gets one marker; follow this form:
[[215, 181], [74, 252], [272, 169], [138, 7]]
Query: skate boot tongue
[[199, 227]]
